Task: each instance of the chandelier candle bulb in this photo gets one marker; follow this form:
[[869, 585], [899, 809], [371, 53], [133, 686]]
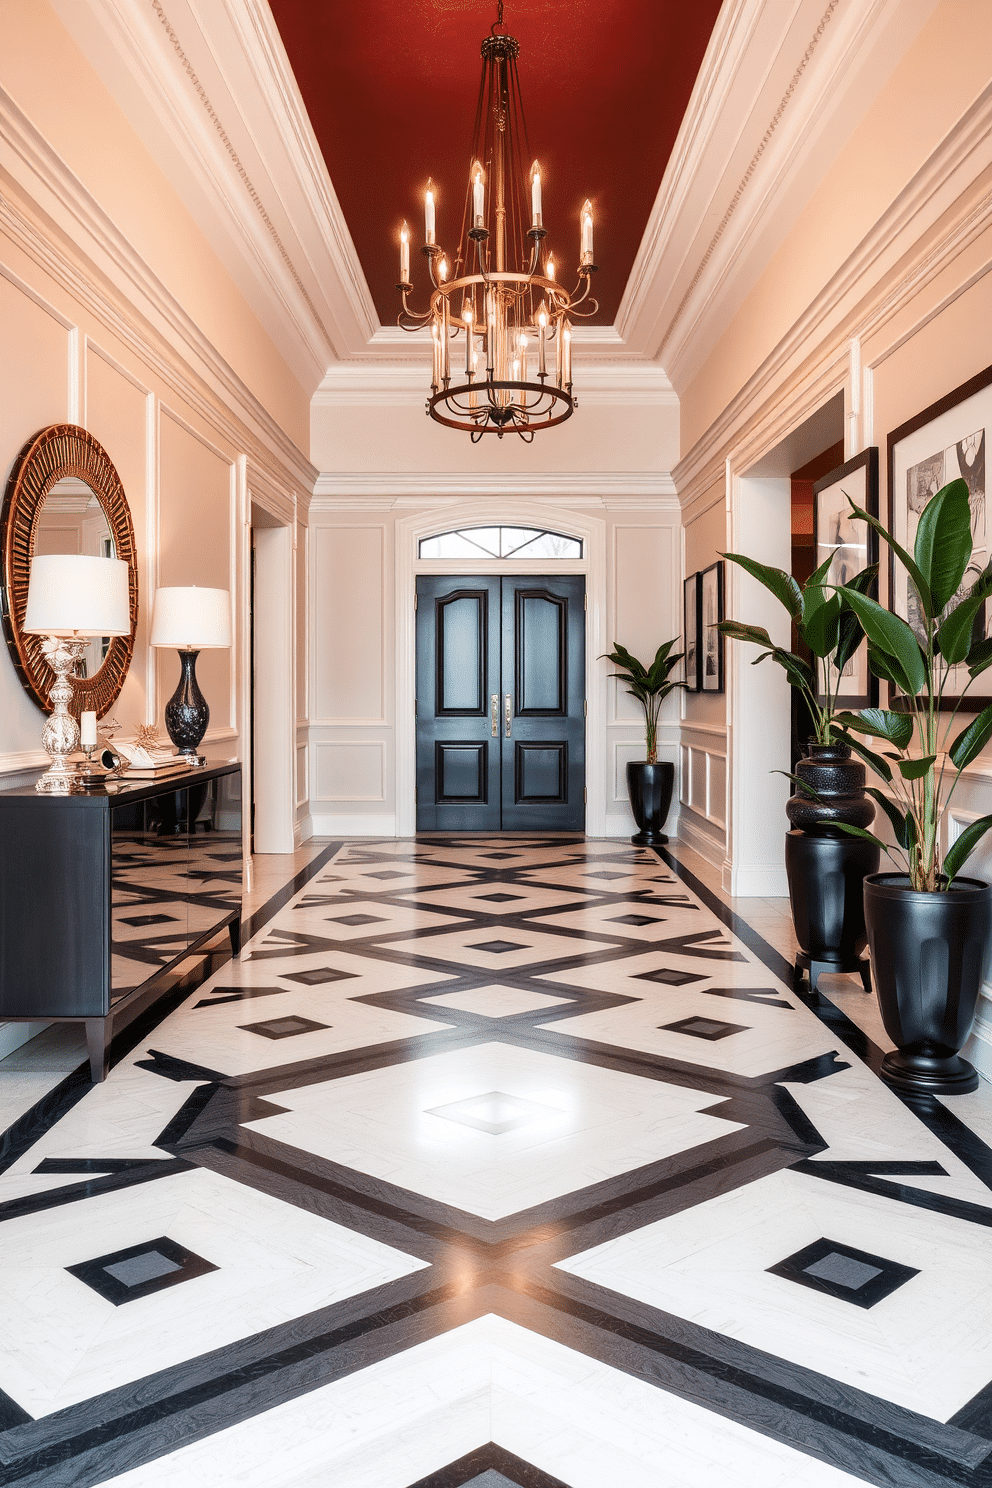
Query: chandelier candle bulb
[[404, 254], [535, 195], [478, 195], [567, 356], [549, 268], [429, 226], [469, 342], [542, 342], [586, 239]]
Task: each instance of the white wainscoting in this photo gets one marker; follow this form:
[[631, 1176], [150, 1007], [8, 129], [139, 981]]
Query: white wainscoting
[[703, 790]]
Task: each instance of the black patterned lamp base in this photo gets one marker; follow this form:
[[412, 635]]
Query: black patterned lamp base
[[186, 712]]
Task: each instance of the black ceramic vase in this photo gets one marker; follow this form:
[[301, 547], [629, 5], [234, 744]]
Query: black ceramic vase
[[827, 867], [930, 955], [186, 712], [650, 790]]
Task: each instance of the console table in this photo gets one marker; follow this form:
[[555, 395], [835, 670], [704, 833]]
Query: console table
[[102, 894]]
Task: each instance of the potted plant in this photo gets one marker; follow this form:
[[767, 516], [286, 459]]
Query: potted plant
[[929, 929], [649, 781], [826, 869]]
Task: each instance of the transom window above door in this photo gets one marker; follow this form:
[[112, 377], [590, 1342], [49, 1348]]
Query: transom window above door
[[500, 542]]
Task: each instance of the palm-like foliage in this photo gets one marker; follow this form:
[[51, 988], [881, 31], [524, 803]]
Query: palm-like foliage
[[649, 685], [831, 632], [919, 665]]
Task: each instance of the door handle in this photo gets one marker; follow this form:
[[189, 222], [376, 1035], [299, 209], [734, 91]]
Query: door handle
[[508, 714], [494, 713]]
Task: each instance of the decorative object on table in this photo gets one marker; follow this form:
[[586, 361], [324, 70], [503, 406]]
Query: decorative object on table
[[64, 478], [650, 781], [947, 441], [70, 598], [501, 328], [826, 869], [930, 931], [850, 549], [191, 620], [710, 639], [693, 668], [141, 763]]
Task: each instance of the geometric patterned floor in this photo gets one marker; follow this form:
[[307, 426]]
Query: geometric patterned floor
[[496, 1161]]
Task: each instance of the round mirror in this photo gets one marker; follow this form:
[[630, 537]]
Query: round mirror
[[64, 496]]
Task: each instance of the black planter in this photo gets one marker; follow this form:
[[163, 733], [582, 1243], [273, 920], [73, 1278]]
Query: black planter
[[839, 783], [826, 889], [650, 790], [930, 955]]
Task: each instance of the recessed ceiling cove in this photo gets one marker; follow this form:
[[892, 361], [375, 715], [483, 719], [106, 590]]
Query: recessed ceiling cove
[[391, 90]]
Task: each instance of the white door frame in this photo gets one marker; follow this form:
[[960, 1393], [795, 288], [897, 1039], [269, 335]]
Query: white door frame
[[537, 515], [274, 742]]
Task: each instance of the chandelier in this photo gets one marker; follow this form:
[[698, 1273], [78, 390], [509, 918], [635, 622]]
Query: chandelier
[[500, 322]]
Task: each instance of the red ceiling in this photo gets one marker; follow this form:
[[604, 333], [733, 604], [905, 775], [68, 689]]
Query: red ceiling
[[391, 89]]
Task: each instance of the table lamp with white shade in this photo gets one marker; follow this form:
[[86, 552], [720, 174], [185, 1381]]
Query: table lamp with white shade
[[192, 620], [71, 598]]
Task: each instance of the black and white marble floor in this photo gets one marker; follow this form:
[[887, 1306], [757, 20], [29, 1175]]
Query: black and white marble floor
[[495, 1161]]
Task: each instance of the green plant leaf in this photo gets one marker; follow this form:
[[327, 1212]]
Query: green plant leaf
[[891, 635], [736, 631], [979, 657], [888, 669], [869, 756], [899, 819], [915, 769], [860, 832], [775, 580], [851, 630], [621, 657], [907, 561], [962, 848], [879, 724], [821, 631], [955, 635], [943, 542], [972, 740]]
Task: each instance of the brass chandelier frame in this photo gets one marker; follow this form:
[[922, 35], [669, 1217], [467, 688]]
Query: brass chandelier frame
[[518, 319]]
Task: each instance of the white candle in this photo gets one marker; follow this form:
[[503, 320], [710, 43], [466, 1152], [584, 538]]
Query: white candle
[[429, 211], [567, 356], [549, 268], [542, 341], [535, 195], [87, 730], [469, 339], [404, 254], [478, 195], [586, 241]]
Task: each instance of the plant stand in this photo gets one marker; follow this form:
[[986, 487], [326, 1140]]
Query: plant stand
[[806, 968]]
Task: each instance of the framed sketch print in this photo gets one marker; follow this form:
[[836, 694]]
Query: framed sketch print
[[690, 632], [854, 546], [710, 639], [947, 440]]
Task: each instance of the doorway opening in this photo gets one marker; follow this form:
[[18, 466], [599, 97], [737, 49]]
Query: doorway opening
[[500, 702]]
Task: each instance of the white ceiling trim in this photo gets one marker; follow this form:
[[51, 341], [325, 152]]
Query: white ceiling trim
[[386, 492], [359, 383]]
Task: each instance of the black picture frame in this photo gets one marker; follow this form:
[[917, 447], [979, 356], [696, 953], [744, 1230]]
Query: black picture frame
[[692, 661], [711, 612], [856, 547], [945, 440]]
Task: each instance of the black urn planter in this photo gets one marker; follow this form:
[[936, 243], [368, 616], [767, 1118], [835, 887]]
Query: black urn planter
[[930, 955], [650, 790], [826, 866]]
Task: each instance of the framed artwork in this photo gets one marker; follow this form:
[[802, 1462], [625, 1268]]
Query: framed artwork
[[690, 632], [710, 614], [854, 546], [947, 440]]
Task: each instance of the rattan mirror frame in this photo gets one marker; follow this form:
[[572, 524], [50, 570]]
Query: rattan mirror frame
[[56, 451]]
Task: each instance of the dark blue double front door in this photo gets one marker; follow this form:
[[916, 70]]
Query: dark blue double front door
[[500, 704]]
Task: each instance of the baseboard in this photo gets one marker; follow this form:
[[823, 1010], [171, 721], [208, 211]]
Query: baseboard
[[13, 1035], [617, 825], [979, 1046], [303, 829], [336, 825], [708, 848]]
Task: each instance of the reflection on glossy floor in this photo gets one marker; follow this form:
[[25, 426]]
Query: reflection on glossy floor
[[510, 1160]]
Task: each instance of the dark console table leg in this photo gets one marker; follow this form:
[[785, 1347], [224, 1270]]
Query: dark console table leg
[[234, 930], [98, 1046]]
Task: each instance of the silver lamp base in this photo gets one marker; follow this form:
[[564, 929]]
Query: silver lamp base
[[61, 732]]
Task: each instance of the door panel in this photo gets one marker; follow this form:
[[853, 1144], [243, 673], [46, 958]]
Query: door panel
[[544, 671], [458, 672], [500, 704]]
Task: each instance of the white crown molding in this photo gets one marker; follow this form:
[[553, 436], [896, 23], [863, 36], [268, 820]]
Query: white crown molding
[[647, 490], [209, 89], [943, 208], [359, 383], [47, 211], [781, 89]]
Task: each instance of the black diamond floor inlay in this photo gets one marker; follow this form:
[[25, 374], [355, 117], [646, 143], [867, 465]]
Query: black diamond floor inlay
[[704, 1028], [670, 977], [498, 947], [318, 976], [356, 919], [139, 1270], [840, 1271], [149, 919], [280, 1028], [498, 898], [634, 919]]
